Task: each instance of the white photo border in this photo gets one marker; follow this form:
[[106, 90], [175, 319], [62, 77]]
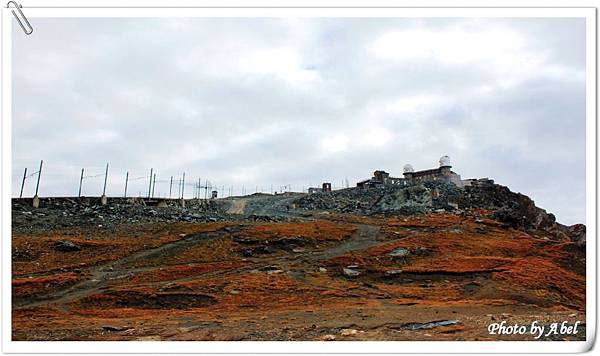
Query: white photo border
[[10, 346]]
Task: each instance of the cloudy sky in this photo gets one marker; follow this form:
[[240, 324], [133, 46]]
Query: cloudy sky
[[259, 102]]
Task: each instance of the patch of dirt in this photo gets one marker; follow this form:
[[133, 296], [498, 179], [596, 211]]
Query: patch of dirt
[[147, 300]]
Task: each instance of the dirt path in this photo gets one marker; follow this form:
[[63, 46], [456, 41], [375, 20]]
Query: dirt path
[[238, 207], [365, 237], [271, 205], [102, 276]]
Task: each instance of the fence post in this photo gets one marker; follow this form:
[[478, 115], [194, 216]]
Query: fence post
[[105, 179], [80, 182], [150, 184], [103, 199], [182, 190], [23, 183], [183, 185], [37, 186], [153, 184], [36, 199], [126, 180]]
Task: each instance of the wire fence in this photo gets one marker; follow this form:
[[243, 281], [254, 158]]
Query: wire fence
[[169, 187]]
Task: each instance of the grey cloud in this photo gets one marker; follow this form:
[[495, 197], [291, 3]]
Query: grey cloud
[[256, 102]]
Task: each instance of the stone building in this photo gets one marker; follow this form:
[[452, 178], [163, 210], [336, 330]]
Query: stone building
[[380, 178], [325, 188], [443, 172]]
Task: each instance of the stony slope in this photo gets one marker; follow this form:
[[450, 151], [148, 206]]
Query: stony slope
[[427, 263]]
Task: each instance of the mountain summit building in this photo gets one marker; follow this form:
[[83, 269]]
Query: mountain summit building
[[443, 172]]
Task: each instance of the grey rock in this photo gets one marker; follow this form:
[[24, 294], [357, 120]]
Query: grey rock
[[66, 246], [399, 252], [350, 272]]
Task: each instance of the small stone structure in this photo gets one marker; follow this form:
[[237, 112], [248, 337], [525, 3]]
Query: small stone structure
[[313, 190], [325, 188], [474, 182], [380, 178]]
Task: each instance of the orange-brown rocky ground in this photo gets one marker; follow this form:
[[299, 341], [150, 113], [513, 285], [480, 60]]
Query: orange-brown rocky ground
[[317, 278]]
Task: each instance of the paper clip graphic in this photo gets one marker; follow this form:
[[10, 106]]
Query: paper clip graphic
[[22, 18]]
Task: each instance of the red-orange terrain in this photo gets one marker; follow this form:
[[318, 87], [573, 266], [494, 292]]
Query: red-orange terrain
[[310, 276]]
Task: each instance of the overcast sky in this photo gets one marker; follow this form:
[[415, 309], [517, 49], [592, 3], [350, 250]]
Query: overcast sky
[[261, 102]]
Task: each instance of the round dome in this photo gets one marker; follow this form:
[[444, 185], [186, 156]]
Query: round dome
[[408, 168], [444, 161]]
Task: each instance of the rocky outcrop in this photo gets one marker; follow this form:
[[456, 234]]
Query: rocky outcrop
[[518, 211], [577, 234], [515, 210]]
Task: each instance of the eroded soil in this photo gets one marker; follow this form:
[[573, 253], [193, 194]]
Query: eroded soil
[[319, 277]]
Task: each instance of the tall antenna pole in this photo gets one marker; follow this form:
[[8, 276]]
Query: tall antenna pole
[[150, 184], [23, 183], [37, 186], [105, 179], [126, 180], [170, 187], [80, 182]]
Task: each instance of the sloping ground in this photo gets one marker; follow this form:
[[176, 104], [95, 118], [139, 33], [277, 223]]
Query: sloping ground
[[437, 276], [476, 256]]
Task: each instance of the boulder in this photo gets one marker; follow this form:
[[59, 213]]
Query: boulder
[[350, 272], [66, 246]]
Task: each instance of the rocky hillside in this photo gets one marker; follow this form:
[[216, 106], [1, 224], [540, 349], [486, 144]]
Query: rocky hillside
[[513, 209], [426, 262]]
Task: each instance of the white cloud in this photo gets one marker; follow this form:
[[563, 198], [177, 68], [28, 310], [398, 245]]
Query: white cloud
[[411, 104], [283, 62], [335, 144], [377, 136], [452, 45]]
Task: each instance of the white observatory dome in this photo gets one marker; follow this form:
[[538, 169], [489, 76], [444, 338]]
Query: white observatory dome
[[445, 161], [408, 168]]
